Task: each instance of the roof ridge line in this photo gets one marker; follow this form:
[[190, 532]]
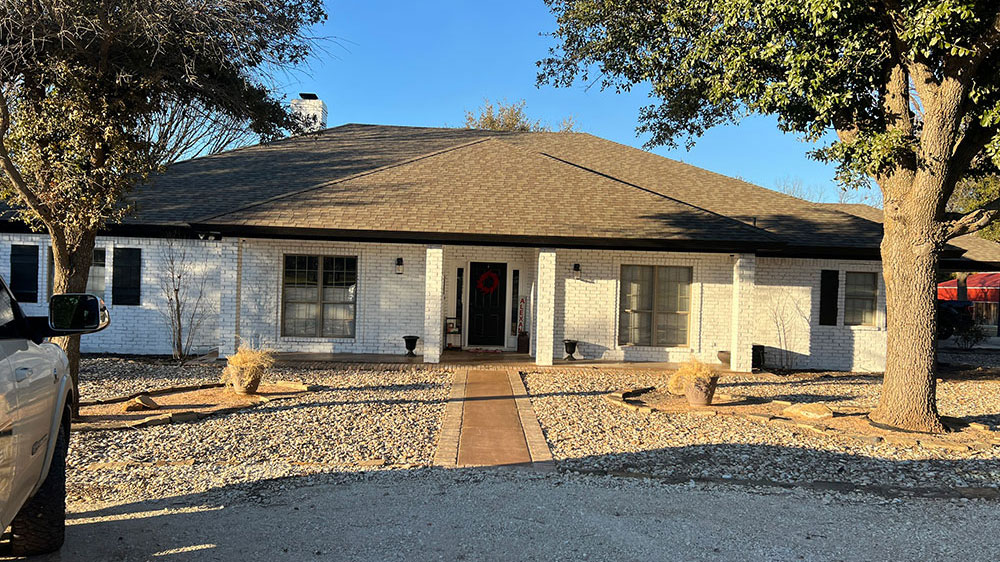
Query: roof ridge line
[[340, 180], [661, 195]]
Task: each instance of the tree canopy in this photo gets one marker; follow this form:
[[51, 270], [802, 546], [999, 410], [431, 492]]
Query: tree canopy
[[504, 116], [910, 89], [82, 83]]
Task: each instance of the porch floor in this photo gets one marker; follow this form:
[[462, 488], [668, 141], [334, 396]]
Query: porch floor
[[472, 359]]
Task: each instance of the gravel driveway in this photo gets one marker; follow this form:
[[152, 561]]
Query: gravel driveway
[[434, 514]]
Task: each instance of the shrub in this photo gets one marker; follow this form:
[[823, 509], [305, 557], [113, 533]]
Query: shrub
[[246, 367], [692, 371], [969, 334]]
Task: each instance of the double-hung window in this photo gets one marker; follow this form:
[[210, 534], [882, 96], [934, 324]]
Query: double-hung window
[[655, 305], [860, 296], [319, 296]]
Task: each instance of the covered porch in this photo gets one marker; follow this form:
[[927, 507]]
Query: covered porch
[[517, 305]]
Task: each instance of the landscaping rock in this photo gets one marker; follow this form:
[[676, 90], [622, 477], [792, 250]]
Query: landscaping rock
[[139, 403], [810, 411]]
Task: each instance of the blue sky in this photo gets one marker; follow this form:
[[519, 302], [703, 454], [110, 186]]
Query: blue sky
[[425, 63]]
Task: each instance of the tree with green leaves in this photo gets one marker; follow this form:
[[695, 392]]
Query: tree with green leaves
[[82, 82], [503, 116], [911, 89]]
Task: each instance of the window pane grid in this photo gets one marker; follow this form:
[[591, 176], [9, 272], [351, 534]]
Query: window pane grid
[[313, 309], [655, 305], [860, 296]]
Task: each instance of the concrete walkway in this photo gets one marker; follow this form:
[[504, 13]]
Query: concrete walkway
[[489, 422]]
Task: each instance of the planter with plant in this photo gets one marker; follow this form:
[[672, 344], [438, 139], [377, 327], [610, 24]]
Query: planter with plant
[[245, 369], [696, 381]]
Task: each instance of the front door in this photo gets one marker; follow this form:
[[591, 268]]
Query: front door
[[487, 303]]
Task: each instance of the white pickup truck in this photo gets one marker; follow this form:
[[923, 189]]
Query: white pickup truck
[[35, 398]]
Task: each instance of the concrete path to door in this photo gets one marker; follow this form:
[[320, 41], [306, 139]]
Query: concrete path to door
[[489, 422]]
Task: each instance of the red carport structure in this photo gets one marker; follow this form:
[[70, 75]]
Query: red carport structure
[[983, 290]]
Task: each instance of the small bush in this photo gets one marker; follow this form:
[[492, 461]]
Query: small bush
[[969, 334], [692, 371], [246, 367]]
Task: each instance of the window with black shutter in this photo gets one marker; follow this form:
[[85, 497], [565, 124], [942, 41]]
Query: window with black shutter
[[24, 272], [829, 290], [126, 276]]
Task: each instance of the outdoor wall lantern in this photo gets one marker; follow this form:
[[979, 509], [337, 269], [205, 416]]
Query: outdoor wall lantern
[[399, 266], [576, 271]]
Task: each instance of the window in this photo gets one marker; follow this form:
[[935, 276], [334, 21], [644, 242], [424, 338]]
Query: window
[[829, 292], [126, 277], [515, 280], [95, 279], [24, 272], [319, 296], [860, 295], [655, 305]]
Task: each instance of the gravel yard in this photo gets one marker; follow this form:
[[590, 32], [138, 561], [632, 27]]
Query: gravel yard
[[585, 432], [362, 418]]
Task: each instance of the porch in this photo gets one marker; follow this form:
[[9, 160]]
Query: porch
[[470, 359]]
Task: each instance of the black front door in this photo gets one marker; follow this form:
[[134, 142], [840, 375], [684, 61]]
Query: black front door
[[487, 303]]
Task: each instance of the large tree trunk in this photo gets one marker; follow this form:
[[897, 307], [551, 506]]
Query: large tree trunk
[[910, 261], [72, 254]]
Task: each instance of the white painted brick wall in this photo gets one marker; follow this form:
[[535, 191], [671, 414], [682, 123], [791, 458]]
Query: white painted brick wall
[[587, 308], [784, 303], [139, 329], [389, 306], [741, 348], [547, 307], [433, 304], [787, 312]]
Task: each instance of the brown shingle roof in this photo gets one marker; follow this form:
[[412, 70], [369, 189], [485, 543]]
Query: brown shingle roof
[[977, 249], [248, 179], [493, 187]]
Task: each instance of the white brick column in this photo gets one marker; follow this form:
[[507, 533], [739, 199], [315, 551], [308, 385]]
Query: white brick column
[[434, 305], [230, 276], [741, 347], [545, 313]]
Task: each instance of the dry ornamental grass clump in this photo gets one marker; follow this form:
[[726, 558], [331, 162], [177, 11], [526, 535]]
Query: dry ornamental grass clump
[[692, 372], [245, 369]]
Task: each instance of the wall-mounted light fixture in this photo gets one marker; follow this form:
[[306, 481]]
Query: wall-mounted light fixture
[[399, 266], [576, 271]]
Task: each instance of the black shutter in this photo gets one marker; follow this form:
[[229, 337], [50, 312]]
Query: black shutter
[[829, 289], [24, 272], [126, 269]]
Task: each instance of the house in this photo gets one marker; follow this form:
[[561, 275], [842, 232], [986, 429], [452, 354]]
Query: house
[[347, 239]]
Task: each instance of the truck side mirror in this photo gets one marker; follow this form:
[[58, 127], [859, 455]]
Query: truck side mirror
[[77, 313]]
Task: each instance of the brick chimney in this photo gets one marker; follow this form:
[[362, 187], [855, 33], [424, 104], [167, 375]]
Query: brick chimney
[[313, 109]]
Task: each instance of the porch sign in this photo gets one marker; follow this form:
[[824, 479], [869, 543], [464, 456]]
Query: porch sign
[[522, 311], [487, 303]]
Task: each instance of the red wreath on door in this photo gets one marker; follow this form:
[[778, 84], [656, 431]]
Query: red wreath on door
[[488, 282]]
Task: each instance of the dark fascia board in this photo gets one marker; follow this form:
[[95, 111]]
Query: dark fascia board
[[963, 264], [120, 229], [715, 246]]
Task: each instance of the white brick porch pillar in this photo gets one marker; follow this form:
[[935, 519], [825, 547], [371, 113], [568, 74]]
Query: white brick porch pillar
[[545, 313], [434, 305], [229, 295], [741, 347]]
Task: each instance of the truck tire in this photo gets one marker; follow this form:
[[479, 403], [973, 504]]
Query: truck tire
[[40, 526]]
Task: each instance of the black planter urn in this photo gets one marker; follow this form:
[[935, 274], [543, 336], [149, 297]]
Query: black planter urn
[[411, 344], [570, 349]]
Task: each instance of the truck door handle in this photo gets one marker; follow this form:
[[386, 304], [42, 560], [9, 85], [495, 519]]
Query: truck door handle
[[22, 373]]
